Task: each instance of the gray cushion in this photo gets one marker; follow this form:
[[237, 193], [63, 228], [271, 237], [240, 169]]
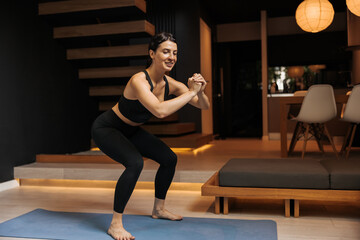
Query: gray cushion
[[274, 173], [344, 174]]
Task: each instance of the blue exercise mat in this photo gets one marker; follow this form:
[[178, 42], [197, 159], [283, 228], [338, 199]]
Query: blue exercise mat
[[45, 224]]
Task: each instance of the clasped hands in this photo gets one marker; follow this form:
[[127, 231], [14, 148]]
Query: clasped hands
[[197, 83]]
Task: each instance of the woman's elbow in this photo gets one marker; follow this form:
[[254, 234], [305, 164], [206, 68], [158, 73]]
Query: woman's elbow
[[159, 113], [205, 107]]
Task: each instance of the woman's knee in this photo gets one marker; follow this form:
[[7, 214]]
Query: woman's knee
[[136, 164], [170, 161]]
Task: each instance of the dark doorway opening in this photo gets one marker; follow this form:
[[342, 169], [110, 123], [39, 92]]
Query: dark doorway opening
[[240, 106]]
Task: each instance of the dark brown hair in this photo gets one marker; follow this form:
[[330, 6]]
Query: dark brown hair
[[160, 38]]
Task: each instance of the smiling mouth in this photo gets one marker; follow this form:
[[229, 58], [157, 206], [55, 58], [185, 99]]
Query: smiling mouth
[[169, 64]]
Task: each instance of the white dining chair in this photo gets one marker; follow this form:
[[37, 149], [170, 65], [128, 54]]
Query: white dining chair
[[317, 108], [352, 115]]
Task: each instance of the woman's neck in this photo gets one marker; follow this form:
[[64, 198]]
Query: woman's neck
[[155, 75]]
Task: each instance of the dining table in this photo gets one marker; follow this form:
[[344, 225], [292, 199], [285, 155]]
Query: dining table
[[285, 102]]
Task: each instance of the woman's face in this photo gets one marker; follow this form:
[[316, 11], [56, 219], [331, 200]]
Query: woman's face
[[165, 55]]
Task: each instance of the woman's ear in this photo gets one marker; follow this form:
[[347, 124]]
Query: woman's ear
[[151, 54]]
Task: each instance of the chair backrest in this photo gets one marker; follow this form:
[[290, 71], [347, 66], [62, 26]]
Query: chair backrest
[[352, 109], [319, 104], [294, 109]]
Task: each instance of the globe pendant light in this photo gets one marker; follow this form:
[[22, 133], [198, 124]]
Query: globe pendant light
[[314, 15], [354, 6]]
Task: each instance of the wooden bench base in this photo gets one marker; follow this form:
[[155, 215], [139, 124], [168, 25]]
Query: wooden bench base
[[223, 194]]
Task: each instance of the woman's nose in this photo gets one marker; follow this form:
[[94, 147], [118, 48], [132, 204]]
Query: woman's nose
[[172, 56]]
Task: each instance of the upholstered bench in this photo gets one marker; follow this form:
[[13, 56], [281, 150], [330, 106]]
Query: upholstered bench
[[286, 179]]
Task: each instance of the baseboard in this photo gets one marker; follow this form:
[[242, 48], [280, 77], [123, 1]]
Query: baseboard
[[276, 136], [8, 185]]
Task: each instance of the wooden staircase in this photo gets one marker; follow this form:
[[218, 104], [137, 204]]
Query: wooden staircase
[[107, 40]]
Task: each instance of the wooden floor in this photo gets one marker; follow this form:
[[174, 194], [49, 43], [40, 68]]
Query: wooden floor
[[318, 220]]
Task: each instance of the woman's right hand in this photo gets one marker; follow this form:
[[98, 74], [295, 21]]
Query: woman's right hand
[[194, 86]]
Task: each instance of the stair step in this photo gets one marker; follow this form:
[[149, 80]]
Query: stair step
[[113, 72], [87, 5], [170, 128], [40, 174], [104, 106], [194, 140], [108, 52], [106, 90], [104, 29], [86, 157]]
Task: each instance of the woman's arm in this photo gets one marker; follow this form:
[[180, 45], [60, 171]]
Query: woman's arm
[[140, 87], [200, 100]]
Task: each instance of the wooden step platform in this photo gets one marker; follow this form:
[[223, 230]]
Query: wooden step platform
[[85, 157], [108, 52], [43, 173], [140, 26], [170, 128], [110, 72], [58, 7]]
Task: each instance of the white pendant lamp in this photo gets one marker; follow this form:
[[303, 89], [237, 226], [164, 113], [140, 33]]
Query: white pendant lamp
[[354, 6], [314, 15]]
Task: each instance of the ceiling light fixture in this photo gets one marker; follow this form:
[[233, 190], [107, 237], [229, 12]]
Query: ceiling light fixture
[[354, 6], [314, 15]]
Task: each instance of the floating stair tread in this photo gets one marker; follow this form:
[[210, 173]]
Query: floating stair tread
[[108, 52], [105, 29], [112, 72], [104, 106], [98, 157], [106, 90], [87, 5], [170, 128], [194, 140]]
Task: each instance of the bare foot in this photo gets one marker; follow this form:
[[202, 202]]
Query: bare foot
[[119, 233], [165, 214]]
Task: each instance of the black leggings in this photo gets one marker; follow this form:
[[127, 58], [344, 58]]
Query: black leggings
[[127, 145]]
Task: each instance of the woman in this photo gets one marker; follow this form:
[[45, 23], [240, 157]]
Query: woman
[[117, 132]]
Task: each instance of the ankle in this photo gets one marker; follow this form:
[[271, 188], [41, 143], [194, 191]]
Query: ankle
[[159, 204], [117, 220]]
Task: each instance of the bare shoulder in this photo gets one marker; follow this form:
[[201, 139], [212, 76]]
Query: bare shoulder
[[138, 79]]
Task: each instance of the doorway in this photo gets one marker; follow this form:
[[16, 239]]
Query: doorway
[[239, 104]]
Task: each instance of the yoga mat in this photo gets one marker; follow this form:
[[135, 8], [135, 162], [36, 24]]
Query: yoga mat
[[44, 224]]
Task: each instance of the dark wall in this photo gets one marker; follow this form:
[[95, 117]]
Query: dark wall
[[44, 107], [187, 31], [306, 49]]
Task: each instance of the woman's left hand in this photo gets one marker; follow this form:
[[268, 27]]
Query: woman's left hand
[[200, 79]]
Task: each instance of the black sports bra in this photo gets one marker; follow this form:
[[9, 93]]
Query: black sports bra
[[133, 109]]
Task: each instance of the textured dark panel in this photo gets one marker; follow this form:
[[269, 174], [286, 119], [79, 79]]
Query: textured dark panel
[[45, 108]]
